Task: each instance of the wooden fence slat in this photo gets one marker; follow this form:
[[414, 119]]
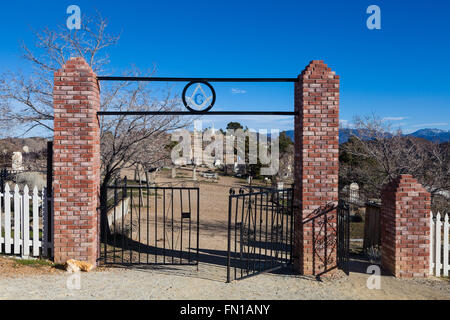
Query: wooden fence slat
[[7, 219], [17, 214], [26, 222], [16, 223], [432, 243], [445, 263], [35, 222], [437, 259]]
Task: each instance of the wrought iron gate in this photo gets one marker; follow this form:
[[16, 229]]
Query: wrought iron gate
[[260, 231], [150, 225], [343, 236]]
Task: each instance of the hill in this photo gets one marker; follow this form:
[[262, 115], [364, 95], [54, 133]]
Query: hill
[[435, 135]]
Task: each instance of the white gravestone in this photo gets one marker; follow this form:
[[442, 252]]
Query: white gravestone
[[17, 161], [354, 192]]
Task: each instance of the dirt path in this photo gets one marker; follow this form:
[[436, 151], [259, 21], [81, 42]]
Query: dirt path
[[156, 223]]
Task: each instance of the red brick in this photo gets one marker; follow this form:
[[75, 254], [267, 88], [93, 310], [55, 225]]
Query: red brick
[[316, 166], [76, 156], [405, 204]]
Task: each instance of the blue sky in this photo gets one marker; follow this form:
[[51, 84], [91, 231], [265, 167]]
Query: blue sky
[[400, 72]]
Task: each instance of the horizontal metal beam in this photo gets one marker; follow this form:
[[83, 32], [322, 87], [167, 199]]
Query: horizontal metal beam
[[127, 186], [188, 113], [175, 79]]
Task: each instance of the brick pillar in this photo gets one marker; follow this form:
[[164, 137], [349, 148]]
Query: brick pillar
[[405, 228], [316, 169], [76, 162]]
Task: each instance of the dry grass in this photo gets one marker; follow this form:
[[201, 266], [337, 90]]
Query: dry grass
[[13, 267]]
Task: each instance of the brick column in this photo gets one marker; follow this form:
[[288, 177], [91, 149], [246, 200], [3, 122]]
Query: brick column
[[76, 162], [405, 228], [316, 169]]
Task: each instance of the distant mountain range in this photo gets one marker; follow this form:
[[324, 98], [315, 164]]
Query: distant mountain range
[[435, 135]]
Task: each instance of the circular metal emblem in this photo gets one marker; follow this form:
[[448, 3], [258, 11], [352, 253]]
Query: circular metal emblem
[[196, 99]]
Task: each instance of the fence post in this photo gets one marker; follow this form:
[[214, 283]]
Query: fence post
[[316, 168], [405, 228], [76, 163]]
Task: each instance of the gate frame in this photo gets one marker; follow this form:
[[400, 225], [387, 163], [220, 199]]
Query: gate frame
[[288, 241], [130, 188], [76, 92]]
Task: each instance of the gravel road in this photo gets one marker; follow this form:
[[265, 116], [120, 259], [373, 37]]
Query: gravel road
[[179, 284]]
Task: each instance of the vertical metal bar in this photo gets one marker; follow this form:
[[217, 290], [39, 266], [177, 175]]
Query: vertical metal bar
[[282, 215], [292, 225], [241, 235], [229, 241], [339, 236], [198, 226], [235, 255], [148, 220], [281, 195], [276, 235], [139, 222], [164, 226], [181, 231], [266, 205], [105, 225], [115, 231], [249, 208], [313, 222], [272, 195], [325, 220], [190, 223], [286, 213], [173, 244], [341, 239], [124, 196], [2, 181], [130, 238], [255, 230], [260, 229], [156, 225], [347, 251]]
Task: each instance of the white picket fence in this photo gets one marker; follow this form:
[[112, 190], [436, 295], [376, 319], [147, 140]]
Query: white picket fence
[[23, 222], [439, 250]]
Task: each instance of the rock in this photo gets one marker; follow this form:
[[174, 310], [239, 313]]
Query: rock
[[75, 266]]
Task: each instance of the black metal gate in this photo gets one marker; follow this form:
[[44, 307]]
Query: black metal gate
[[150, 225], [343, 236], [260, 231]]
